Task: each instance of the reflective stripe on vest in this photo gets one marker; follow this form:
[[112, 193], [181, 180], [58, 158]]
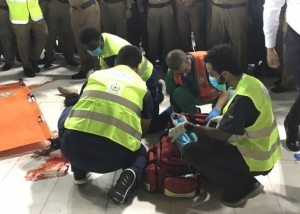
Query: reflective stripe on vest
[[113, 98], [206, 90], [259, 155], [254, 134], [103, 118]]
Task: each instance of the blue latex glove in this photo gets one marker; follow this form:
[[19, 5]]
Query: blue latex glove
[[214, 113]]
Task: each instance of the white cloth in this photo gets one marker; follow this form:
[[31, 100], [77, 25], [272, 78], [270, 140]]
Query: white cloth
[[179, 129], [272, 10]]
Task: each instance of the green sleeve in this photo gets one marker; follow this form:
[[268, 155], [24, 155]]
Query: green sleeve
[[170, 84]]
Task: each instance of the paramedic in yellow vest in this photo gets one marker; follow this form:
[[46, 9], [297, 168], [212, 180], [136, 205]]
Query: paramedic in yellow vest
[[189, 84], [102, 132], [27, 16], [106, 47], [246, 141]]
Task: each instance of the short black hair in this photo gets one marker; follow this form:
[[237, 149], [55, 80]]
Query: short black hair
[[129, 55], [175, 58], [89, 34], [223, 57]]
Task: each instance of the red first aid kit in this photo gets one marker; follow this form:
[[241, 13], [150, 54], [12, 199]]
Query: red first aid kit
[[167, 172]]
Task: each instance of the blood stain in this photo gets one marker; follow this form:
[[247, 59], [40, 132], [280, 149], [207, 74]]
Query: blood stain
[[55, 166]]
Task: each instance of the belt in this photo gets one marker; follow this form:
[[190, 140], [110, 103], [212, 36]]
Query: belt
[[64, 1], [113, 1], [4, 7], [85, 5], [230, 6], [159, 5]]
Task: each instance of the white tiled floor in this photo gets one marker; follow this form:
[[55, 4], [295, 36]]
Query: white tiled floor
[[59, 195]]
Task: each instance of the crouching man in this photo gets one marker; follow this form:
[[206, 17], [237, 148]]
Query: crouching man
[[102, 132], [246, 142]]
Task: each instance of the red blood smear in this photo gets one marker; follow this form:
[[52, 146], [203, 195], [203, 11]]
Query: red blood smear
[[55, 166]]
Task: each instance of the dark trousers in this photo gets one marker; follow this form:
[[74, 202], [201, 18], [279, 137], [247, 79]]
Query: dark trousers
[[292, 61], [92, 153], [220, 163]]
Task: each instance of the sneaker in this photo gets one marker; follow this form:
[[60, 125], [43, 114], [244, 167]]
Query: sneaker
[[239, 199], [292, 137], [161, 87], [80, 179], [29, 72], [279, 89], [125, 184]]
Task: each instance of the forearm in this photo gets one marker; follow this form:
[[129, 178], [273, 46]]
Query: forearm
[[222, 100], [208, 132]]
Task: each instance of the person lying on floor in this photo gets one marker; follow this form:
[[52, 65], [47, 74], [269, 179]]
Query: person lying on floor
[[106, 47], [189, 84], [102, 132], [246, 142]]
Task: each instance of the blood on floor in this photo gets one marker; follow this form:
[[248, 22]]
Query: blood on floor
[[55, 166]]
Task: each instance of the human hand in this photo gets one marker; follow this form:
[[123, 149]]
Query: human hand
[[128, 13], [272, 58], [214, 113], [188, 3]]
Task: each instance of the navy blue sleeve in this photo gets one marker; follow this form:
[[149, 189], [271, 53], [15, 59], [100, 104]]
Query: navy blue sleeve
[[147, 106], [110, 61]]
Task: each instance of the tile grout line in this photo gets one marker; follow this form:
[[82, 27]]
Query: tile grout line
[[275, 195], [107, 197], [10, 170], [49, 196]]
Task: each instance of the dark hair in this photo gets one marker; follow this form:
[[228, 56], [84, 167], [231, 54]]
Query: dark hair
[[129, 55], [223, 57], [175, 58], [89, 34]]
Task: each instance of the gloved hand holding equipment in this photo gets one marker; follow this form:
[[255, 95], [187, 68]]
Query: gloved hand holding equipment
[[214, 113]]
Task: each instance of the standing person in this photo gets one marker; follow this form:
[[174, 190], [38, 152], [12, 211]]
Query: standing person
[[6, 37], [160, 20], [108, 123], [229, 24], [246, 141], [59, 24], [292, 58], [191, 14], [84, 13], [114, 16], [27, 16]]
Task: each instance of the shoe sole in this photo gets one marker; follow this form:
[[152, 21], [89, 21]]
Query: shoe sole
[[118, 198], [289, 145], [252, 194]]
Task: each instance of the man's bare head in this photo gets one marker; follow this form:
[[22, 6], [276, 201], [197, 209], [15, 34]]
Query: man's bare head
[[178, 62]]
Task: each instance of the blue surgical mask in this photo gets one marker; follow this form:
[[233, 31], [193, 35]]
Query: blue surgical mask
[[96, 53], [216, 85]]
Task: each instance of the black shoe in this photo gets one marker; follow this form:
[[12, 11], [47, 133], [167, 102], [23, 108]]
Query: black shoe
[[7, 67], [292, 137], [79, 75], [160, 87], [81, 178], [236, 200], [35, 67], [279, 89], [29, 72], [42, 61], [125, 183], [73, 63], [49, 63], [18, 58], [277, 82]]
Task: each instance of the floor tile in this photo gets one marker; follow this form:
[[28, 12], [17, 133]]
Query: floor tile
[[20, 196], [90, 198], [6, 165]]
